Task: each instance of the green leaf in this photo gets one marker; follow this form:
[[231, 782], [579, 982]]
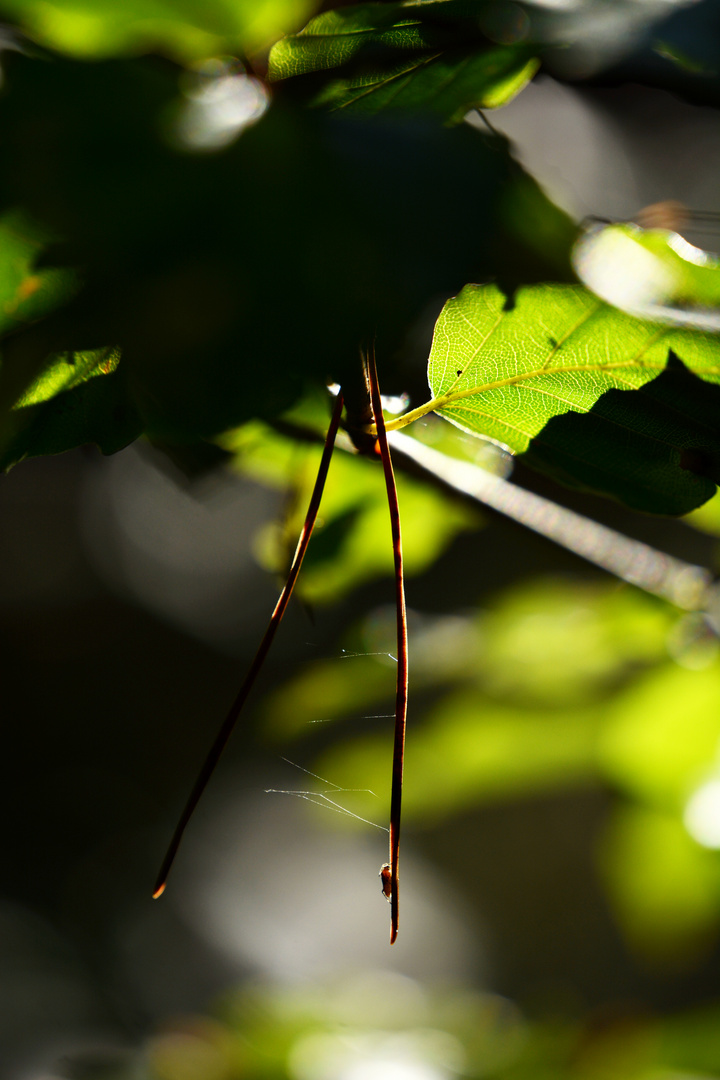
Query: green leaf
[[707, 517], [67, 372], [185, 29], [26, 295], [592, 396], [80, 398], [419, 56], [55, 408]]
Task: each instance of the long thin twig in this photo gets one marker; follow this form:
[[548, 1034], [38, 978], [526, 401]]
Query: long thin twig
[[230, 720], [401, 692]]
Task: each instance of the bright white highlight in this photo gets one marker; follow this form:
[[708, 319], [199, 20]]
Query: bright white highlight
[[394, 403], [702, 814], [621, 271], [420, 1054], [218, 108], [690, 253], [618, 269], [392, 1070]]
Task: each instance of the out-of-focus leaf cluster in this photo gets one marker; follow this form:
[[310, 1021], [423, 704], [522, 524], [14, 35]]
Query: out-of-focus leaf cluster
[[555, 687], [376, 1021], [351, 542], [185, 31]]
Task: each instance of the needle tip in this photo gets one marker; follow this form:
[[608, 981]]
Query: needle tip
[[393, 935], [159, 890]]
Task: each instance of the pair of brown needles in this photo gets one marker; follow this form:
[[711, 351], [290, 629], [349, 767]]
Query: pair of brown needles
[[389, 871]]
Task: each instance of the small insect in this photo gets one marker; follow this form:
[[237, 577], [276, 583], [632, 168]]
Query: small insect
[[668, 214], [386, 881]]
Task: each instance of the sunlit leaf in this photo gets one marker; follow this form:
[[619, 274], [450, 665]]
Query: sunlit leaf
[[67, 372], [420, 56], [707, 517], [80, 398], [591, 395], [34, 424]]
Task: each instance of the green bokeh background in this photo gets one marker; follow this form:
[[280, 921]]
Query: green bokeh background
[[559, 917]]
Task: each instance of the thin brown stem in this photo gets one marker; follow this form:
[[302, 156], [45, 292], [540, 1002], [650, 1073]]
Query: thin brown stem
[[401, 693], [231, 719]]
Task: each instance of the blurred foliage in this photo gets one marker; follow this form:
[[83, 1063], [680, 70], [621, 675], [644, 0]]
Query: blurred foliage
[[651, 272], [380, 1024], [155, 283], [370, 1023], [183, 30], [556, 686], [678, 53], [27, 294], [351, 542], [662, 885]]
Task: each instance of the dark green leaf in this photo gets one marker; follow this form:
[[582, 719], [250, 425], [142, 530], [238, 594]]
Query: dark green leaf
[[232, 280], [431, 56], [79, 399]]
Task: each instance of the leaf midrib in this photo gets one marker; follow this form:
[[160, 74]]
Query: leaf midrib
[[452, 396], [512, 380], [374, 87]]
